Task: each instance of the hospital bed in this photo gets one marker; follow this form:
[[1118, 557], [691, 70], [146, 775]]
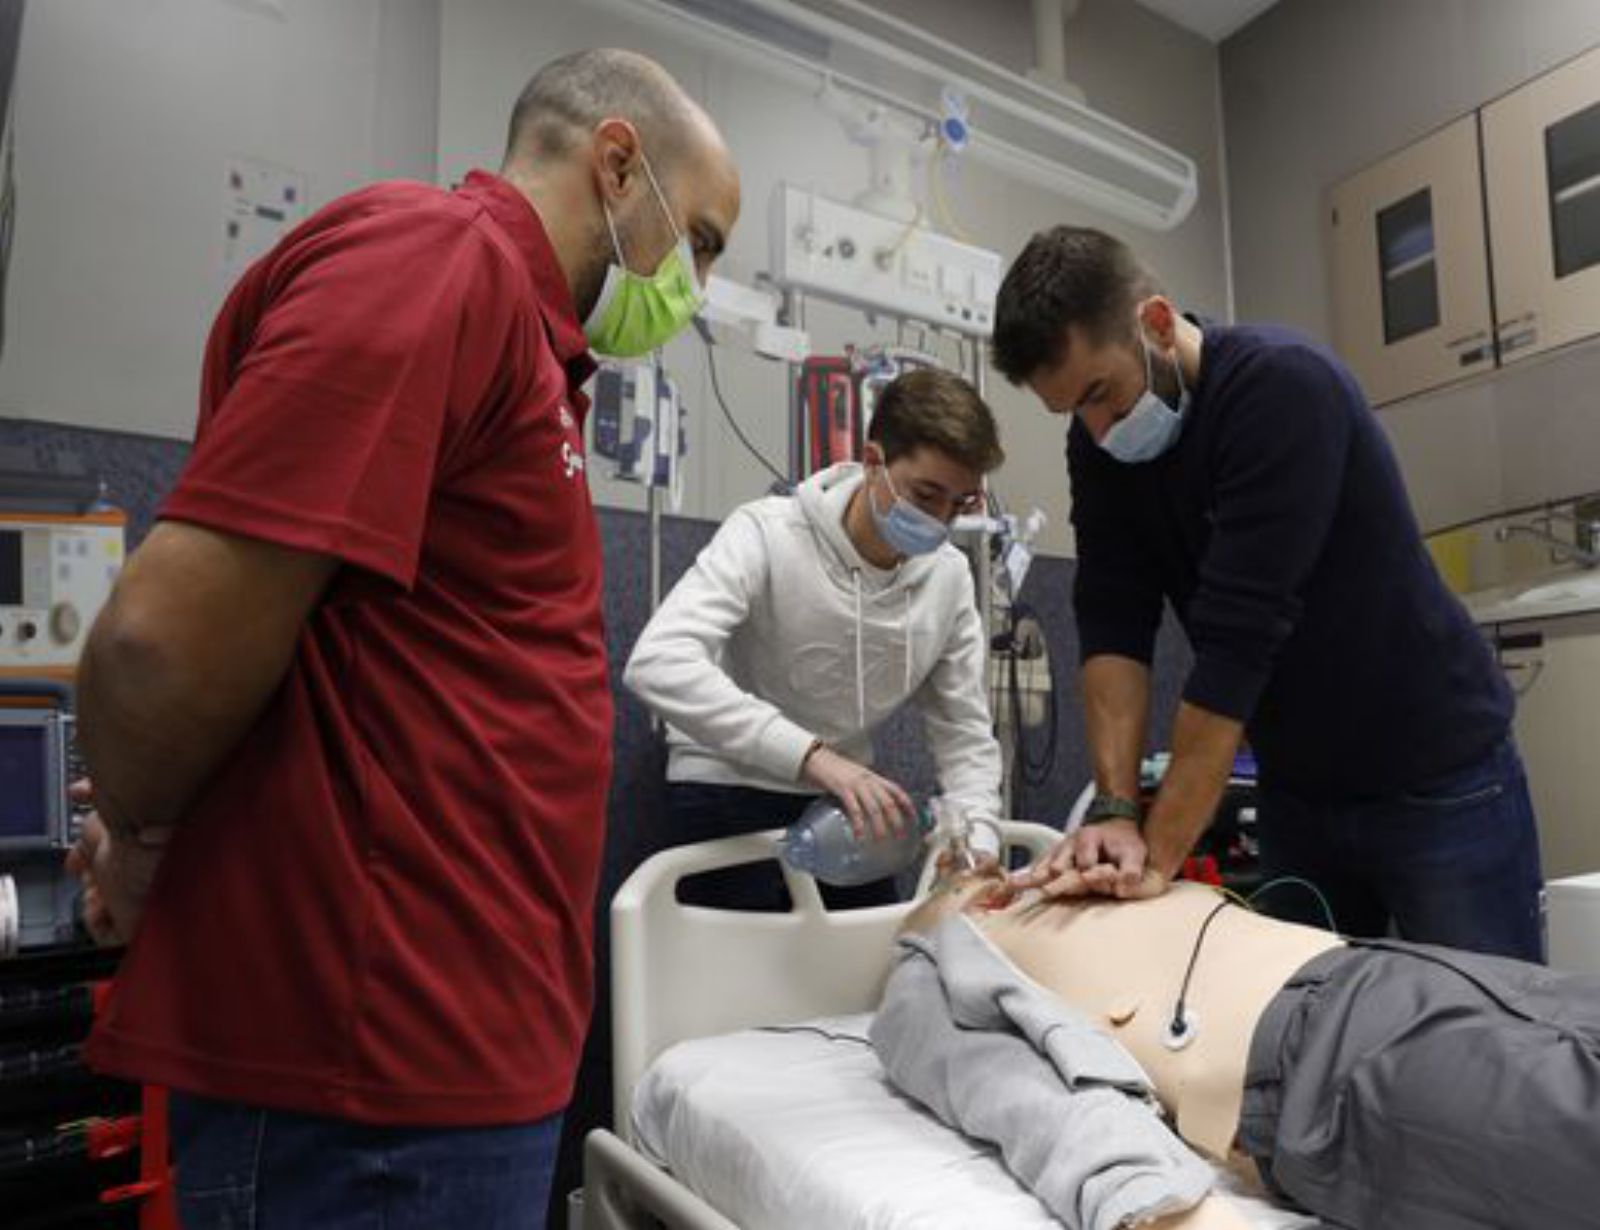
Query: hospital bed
[[747, 1097]]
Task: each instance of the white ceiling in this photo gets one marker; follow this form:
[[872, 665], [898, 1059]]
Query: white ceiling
[[1211, 19]]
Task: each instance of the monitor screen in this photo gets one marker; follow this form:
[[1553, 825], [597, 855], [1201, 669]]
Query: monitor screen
[[24, 805], [10, 567]]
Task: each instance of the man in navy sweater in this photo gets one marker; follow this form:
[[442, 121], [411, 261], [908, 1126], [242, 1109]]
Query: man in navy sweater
[[1239, 474]]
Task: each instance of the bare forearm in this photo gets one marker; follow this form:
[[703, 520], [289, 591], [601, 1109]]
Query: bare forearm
[[197, 636], [154, 724], [1116, 697], [1203, 748]]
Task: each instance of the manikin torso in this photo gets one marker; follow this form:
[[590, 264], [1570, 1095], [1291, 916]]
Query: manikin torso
[[1122, 963]]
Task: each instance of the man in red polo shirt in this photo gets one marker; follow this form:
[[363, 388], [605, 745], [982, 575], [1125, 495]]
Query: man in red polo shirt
[[347, 714]]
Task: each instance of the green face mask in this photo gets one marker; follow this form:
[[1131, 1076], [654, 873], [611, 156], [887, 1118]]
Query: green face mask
[[635, 314]]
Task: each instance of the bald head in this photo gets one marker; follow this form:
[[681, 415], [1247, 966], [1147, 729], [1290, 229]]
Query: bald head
[[568, 98], [621, 165]]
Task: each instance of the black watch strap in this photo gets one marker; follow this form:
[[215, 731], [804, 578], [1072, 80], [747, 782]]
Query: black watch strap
[[1106, 807]]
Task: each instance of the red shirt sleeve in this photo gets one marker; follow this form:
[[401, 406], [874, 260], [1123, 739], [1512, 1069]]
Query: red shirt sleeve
[[336, 377]]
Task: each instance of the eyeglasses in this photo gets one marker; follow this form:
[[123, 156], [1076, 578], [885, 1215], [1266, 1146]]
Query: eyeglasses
[[936, 502], [931, 497], [968, 505]]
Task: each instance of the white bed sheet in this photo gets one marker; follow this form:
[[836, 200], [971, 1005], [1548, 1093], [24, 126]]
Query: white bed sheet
[[799, 1129]]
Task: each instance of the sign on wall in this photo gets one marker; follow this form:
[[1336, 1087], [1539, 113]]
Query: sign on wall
[[261, 204]]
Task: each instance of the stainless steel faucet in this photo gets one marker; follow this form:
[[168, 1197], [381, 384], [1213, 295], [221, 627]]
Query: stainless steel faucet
[[1583, 548]]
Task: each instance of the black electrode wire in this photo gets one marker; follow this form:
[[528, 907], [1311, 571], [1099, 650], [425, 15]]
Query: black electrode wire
[[8, 216], [10, 45], [1020, 777], [1043, 765], [1179, 1025], [1031, 769], [830, 1035], [716, 389], [1293, 881], [1028, 768], [1034, 768]]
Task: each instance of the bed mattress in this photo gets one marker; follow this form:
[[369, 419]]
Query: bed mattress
[[797, 1127]]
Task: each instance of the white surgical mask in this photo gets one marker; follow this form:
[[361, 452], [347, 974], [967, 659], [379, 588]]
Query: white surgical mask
[[1152, 426]]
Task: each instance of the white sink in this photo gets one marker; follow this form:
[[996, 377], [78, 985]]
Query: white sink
[[1568, 593], [1580, 587]]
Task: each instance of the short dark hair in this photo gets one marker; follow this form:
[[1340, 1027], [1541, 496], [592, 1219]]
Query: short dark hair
[[927, 406], [569, 96], [1068, 275]]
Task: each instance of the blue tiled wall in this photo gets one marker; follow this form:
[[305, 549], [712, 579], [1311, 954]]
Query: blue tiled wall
[[137, 470]]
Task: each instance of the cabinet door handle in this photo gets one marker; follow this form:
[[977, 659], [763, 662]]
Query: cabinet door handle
[[1516, 341], [1466, 339], [1534, 667], [1515, 332]]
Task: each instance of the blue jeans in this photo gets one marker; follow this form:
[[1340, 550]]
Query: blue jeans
[[699, 811], [243, 1168], [1453, 861]]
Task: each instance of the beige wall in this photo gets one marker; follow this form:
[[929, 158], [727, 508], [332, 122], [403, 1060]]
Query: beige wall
[[1135, 66], [125, 112]]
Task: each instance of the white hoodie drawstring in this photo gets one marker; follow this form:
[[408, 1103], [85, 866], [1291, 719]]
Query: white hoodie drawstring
[[861, 678], [906, 593]]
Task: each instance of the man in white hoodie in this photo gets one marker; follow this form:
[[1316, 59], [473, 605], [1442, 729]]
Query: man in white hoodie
[[807, 621]]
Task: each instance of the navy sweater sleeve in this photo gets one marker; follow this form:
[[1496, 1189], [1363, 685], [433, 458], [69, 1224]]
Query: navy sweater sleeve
[[1279, 470], [1116, 591]]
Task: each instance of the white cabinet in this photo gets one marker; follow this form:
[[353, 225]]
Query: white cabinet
[[1410, 269], [1554, 666], [1541, 145]]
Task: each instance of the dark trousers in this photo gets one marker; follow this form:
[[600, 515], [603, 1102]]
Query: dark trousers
[[1398, 1086], [244, 1168], [702, 812], [1453, 861]]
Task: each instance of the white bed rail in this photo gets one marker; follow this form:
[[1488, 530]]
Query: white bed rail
[[623, 1191], [681, 971]]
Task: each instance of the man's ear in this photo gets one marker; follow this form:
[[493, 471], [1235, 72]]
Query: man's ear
[[615, 152], [1160, 320]]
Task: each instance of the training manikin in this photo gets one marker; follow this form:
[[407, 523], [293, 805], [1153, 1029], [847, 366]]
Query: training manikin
[[1196, 1053], [1379, 1085]]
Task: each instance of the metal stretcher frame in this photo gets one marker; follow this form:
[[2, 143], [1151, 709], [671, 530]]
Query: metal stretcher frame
[[681, 972]]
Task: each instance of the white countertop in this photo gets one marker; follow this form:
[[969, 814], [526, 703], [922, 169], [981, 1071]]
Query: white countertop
[[1568, 592]]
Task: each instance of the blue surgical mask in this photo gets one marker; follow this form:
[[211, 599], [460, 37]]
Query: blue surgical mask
[[1152, 426], [905, 528]]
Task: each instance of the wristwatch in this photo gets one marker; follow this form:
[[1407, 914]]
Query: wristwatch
[[1104, 807]]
